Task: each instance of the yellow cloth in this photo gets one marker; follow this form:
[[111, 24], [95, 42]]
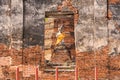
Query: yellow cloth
[[60, 38], [46, 19]]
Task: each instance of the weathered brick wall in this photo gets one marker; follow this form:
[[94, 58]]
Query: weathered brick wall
[[97, 36]]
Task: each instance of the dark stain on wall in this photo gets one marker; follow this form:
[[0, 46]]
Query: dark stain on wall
[[115, 10], [4, 2], [34, 22], [4, 34], [3, 38], [33, 35]]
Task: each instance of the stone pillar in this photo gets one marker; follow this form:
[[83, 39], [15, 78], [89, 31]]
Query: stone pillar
[[16, 23], [114, 38], [84, 34], [5, 22], [101, 37]]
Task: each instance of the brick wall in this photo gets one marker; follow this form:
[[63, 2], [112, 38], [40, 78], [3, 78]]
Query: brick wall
[[97, 33]]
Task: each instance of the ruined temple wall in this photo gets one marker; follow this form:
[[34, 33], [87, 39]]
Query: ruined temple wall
[[97, 35]]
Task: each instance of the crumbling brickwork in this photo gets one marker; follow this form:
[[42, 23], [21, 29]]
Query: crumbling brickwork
[[97, 37]]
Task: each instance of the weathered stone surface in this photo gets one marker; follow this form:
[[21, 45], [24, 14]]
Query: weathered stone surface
[[4, 21], [114, 27], [100, 24], [84, 37], [16, 23], [84, 31]]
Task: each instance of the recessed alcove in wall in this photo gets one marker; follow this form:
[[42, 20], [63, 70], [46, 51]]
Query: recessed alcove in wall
[[59, 42]]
